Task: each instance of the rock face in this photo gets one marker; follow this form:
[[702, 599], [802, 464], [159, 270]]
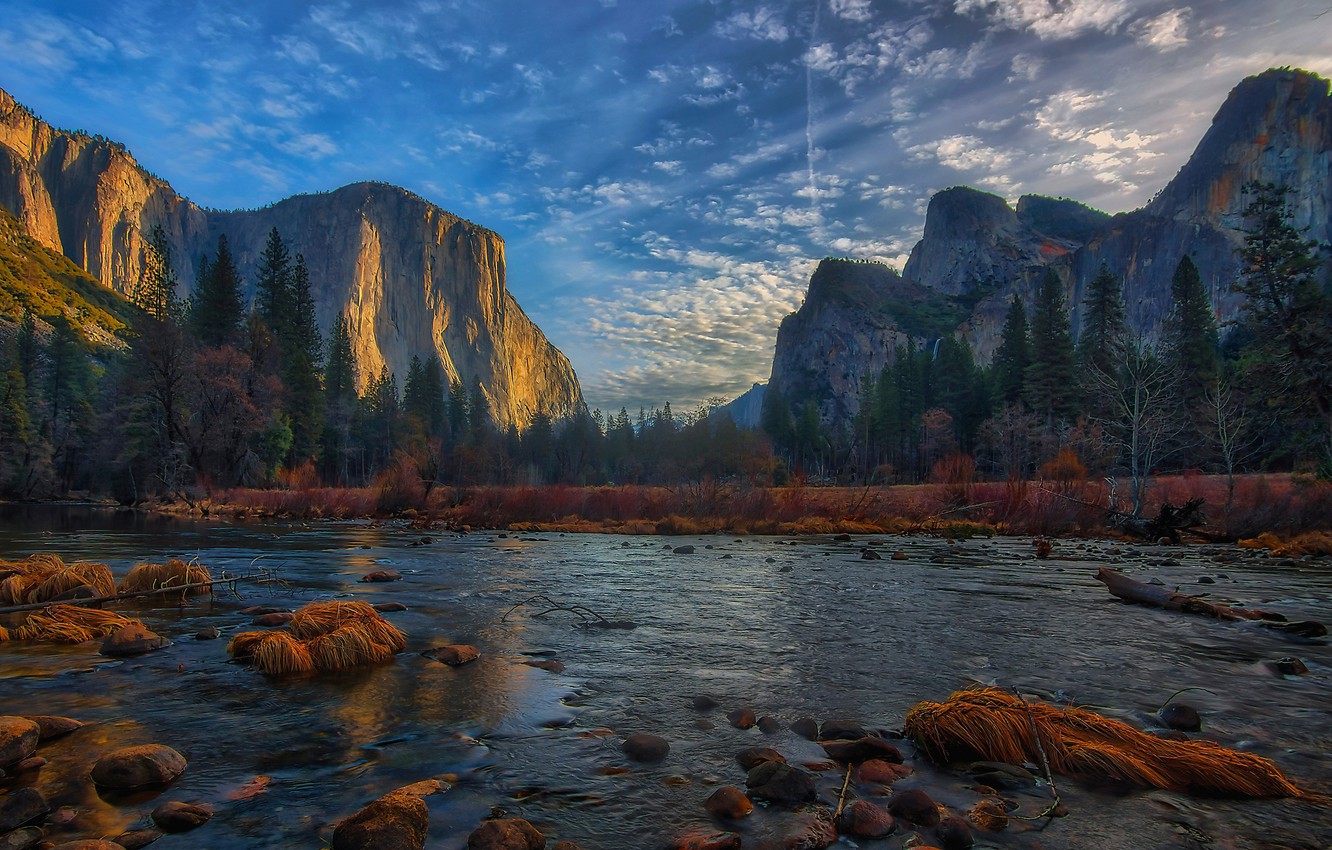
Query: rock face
[[411, 278], [978, 253]]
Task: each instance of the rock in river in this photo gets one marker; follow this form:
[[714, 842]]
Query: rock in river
[[863, 819], [453, 655], [52, 726], [1181, 716], [18, 739], [180, 817], [780, 783], [861, 750], [742, 718], [138, 767], [506, 834], [382, 575], [134, 639], [643, 747], [393, 822], [729, 802], [21, 839], [21, 806]]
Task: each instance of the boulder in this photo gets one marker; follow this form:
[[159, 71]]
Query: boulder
[[703, 702], [729, 802], [884, 772], [841, 730], [899, 555], [683, 550], [180, 817], [1287, 666], [20, 806], [389, 607], [644, 747], [92, 844], [769, 725], [780, 783], [208, 633], [393, 822], [742, 718], [754, 756], [52, 726], [382, 575], [916, 806], [256, 610], [506, 834], [806, 727], [862, 750], [18, 739], [453, 655], [138, 767], [134, 639], [713, 841], [21, 839], [863, 819], [136, 839], [809, 831], [954, 833], [1181, 716], [277, 618], [424, 788]]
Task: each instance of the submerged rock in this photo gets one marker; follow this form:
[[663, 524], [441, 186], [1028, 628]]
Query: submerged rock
[[729, 802], [881, 771], [1181, 716], [647, 748], [954, 833], [754, 756], [138, 767], [988, 815], [703, 702], [863, 819], [393, 822], [841, 730], [18, 739], [209, 633], [134, 639], [713, 841], [180, 817], [277, 618], [916, 806], [136, 839], [506, 834], [862, 750], [21, 839], [806, 727], [382, 575], [809, 831], [454, 655], [777, 782], [92, 844], [21, 806], [742, 718], [683, 550], [769, 725], [389, 607], [53, 726]]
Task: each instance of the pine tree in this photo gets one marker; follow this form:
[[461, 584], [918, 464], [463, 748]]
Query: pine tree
[[1104, 335], [305, 324], [217, 312], [1051, 381], [155, 291], [1014, 354], [457, 409], [339, 401], [1192, 345], [273, 286]]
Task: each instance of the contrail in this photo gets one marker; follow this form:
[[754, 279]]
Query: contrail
[[809, 112]]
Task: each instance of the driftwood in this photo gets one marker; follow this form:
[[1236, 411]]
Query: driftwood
[[1169, 522], [588, 618], [1131, 590], [116, 597]]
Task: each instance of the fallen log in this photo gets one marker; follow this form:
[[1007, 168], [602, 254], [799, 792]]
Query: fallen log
[[1131, 590], [116, 597]]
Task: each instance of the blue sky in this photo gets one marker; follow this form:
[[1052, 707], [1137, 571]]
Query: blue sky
[[666, 173]]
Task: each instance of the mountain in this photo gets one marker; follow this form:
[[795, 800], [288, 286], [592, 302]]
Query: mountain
[[978, 253], [410, 277], [746, 409]]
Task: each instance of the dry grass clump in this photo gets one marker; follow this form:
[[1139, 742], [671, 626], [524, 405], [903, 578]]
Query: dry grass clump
[[1309, 543], [173, 573], [994, 725], [44, 576], [67, 624], [325, 636]]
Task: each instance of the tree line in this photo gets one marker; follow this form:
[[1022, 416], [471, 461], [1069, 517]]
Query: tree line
[[213, 391]]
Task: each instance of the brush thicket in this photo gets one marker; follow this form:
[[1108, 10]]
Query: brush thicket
[[173, 573], [993, 725]]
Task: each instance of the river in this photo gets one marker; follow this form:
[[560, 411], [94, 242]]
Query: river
[[788, 627]]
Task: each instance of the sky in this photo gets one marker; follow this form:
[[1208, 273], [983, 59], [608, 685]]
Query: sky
[[666, 173]]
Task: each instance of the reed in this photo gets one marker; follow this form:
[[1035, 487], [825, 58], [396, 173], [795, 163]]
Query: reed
[[173, 573], [242, 646], [326, 636], [69, 624], [994, 725]]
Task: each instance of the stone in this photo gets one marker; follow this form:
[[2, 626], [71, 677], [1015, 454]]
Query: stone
[[256, 610], [647, 748], [134, 639], [683, 550], [1181, 716], [550, 665], [180, 817], [21, 839], [389, 607], [566, 845], [209, 633], [839, 730], [809, 831], [842, 538], [884, 772], [742, 718], [769, 725], [864, 749], [806, 727], [863, 819], [713, 841], [18, 739], [954, 833], [277, 618], [916, 806], [74, 594], [703, 702], [29, 763], [1287, 666], [51, 726], [750, 758], [1206, 580], [424, 788], [1005, 777], [870, 555], [88, 845], [138, 767], [729, 802], [899, 555], [393, 822], [777, 782], [988, 815], [453, 655], [20, 806], [135, 839], [382, 575], [506, 834]]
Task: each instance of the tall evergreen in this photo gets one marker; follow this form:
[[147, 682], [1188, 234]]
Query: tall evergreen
[[1051, 381], [1014, 354], [339, 401], [304, 328], [1191, 342], [155, 291], [1101, 345], [217, 312], [272, 285], [302, 355]]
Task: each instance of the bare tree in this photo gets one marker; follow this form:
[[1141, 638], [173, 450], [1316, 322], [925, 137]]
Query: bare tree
[[1140, 410], [1229, 428]]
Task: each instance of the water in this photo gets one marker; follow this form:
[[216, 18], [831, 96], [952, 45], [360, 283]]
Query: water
[[815, 631]]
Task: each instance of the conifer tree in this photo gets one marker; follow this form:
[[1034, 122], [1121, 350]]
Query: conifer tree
[[339, 401], [1191, 342], [217, 312], [1051, 381], [155, 291], [1104, 337], [1014, 354], [273, 286]]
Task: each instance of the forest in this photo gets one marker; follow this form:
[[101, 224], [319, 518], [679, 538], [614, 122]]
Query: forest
[[211, 392]]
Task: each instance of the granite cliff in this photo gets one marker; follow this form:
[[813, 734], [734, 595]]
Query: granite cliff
[[410, 277], [977, 253]]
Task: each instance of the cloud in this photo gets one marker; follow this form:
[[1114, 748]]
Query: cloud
[[763, 24], [970, 154], [1167, 31], [1049, 19], [1109, 154], [858, 11]]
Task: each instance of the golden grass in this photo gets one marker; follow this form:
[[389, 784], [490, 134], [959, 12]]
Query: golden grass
[[98, 576], [171, 574], [994, 725], [1309, 543], [327, 636], [67, 624]]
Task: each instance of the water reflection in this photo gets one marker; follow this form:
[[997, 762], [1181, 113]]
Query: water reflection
[[813, 631]]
